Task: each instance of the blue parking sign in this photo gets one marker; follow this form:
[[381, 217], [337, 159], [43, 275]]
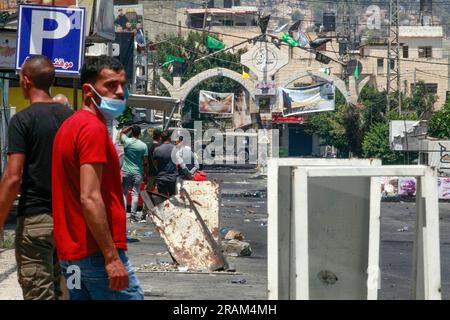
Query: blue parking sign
[[55, 32]]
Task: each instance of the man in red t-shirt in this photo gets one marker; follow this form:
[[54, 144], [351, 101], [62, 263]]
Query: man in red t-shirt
[[89, 213]]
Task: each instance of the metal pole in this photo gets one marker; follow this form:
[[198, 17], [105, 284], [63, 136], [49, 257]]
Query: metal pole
[[205, 3]]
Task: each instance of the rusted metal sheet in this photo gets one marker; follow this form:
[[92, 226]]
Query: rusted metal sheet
[[185, 233], [207, 194]]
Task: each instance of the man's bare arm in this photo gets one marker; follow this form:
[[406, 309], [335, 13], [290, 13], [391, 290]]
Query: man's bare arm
[[95, 215], [125, 131], [10, 186]]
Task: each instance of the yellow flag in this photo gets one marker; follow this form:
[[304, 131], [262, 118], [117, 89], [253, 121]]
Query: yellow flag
[[245, 75]]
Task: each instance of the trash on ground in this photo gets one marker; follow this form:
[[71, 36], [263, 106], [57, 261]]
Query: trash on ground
[[234, 234], [236, 248], [247, 220], [239, 281], [405, 228], [147, 234]]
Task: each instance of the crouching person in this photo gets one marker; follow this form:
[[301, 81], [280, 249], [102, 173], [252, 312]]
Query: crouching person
[[89, 213]]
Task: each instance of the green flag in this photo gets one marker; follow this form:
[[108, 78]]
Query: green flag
[[289, 40], [171, 58], [357, 71], [213, 43]]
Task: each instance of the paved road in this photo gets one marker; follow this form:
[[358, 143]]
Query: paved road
[[249, 215]]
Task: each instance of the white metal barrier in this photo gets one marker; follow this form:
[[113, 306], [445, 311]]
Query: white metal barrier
[[324, 229]]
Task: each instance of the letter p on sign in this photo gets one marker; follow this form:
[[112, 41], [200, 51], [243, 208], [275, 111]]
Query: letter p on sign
[[38, 34], [50, 31]]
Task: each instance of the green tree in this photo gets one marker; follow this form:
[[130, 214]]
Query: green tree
[[376, 144], [421, 101], [439, 125]]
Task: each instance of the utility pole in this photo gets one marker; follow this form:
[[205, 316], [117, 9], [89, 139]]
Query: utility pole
[[205, 4], [393, 67], [345, 32]]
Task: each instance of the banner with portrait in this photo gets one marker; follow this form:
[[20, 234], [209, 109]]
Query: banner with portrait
[[7, 50], [308, 99], [217, 103], [12, 5]]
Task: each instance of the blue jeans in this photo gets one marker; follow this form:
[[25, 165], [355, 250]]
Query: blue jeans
[[93, 282], [133, 180]]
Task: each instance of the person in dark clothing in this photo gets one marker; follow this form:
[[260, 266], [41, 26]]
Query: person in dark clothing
[[152, 171], [30, 140], [121, 19], [163, 160]]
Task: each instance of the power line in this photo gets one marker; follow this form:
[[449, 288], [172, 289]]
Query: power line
[[249, 39]]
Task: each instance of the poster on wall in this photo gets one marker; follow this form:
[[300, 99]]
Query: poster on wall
[[217, 103], [444, 188], [130, 18], [241, 115], [314, 98], [7, 51], [407, 186]]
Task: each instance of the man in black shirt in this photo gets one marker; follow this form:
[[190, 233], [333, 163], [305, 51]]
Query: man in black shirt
[[152, 171], [121, 19], [30, 141], [164, 161]]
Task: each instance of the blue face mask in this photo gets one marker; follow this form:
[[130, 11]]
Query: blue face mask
[[111, 108]]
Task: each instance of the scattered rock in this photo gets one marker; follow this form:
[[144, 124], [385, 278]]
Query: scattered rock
[[239, 281], [234, 234], [236, 248]]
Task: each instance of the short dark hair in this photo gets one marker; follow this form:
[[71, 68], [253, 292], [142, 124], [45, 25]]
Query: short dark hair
[[94, 65], [40, 70], [136, 131], [157, 134], [165, 136]]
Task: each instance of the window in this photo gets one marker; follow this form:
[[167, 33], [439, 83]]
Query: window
[[425, 52], [430, 87], [405, 52], [380, 65]]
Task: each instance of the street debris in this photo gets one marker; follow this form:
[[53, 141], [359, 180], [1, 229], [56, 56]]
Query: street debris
[[404, 229], [327, 277], [250, 211], [163, 267], [185, 232], [236, 248], [247, 220], [234, 234], [239, 281]]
